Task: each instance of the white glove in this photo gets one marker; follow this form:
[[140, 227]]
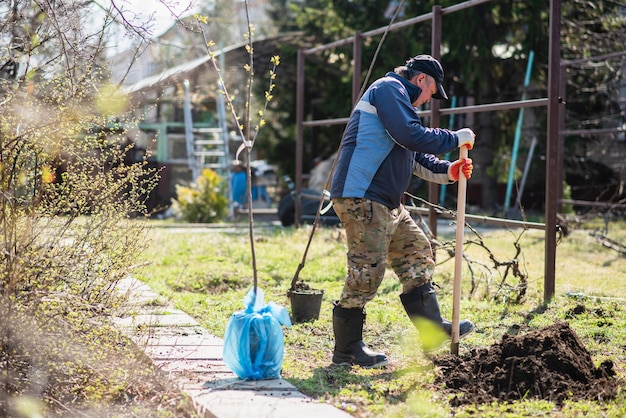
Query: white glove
[[466, 137]]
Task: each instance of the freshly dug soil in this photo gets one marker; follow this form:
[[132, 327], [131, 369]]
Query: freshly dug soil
[[550, 363]]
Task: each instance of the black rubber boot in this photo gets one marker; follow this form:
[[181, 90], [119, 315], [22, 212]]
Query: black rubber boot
[[421, 302], [349, 346]]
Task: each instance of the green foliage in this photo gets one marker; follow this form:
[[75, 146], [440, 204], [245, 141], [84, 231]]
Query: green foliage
[[484, 53], [593, 87], [204, 201]]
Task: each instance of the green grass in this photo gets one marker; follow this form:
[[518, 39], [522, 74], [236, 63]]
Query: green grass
[[207, 271]]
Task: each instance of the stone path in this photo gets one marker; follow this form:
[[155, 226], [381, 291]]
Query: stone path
[[180, 346]]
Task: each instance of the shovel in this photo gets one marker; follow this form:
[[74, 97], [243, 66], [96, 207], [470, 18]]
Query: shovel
[[458, 255]]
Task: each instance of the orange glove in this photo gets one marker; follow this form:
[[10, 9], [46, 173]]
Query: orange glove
[[462, 165]]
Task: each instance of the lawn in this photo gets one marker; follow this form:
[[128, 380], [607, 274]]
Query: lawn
[[206, 271]]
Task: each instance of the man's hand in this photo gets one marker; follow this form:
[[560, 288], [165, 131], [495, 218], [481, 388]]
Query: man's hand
[[466, 137], [463, 165]]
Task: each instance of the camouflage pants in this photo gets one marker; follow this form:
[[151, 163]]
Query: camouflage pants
[[377, 237]]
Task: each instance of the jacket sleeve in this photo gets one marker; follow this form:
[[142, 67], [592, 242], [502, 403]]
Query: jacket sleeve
[[402, 123], [431, 168]]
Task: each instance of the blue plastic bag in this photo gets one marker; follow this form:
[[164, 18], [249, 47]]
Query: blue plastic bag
[[254, 341]]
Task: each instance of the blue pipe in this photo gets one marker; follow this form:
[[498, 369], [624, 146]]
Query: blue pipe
[[518, 133]]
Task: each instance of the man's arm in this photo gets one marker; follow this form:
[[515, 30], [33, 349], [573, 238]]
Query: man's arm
[[402, 123], [431, 168]]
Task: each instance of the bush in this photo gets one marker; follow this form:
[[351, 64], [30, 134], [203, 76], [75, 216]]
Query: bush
[[66, 197], [70, 183], [202, 202]]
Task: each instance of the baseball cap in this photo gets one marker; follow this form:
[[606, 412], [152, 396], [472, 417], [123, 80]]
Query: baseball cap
[[430, 66]]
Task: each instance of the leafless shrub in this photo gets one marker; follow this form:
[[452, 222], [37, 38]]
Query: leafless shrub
[[71, 208], [502, 280]]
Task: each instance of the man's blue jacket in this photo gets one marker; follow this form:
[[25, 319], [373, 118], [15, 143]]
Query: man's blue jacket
[[385, 143]]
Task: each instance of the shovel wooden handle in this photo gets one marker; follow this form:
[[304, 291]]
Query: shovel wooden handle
[[458, 255]]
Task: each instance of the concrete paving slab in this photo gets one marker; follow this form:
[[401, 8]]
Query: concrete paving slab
[[173, 331], [196, 380], [195, 385], [262, 404], [157, 320], [205, 366], [186, 352], [193, 340], [145, 299], [234, 383]]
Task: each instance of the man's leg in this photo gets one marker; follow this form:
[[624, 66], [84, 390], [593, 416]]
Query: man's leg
[[368, 227], [411, 257]]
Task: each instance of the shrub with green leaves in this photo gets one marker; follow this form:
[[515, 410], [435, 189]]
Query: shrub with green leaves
[[204, 201]]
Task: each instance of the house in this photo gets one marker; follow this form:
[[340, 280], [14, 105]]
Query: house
[[184, 122]]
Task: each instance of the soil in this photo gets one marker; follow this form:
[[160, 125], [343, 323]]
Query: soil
[[550, 363], [301, 287]]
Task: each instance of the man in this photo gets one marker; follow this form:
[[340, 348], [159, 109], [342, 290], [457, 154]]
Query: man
[[383, 145]]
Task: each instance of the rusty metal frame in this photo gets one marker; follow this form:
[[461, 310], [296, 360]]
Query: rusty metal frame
[[553, 102]]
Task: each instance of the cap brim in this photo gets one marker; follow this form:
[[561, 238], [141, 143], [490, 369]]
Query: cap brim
[[441, 93]]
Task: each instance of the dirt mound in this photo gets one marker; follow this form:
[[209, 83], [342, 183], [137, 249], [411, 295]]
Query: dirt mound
[[550, 363]]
